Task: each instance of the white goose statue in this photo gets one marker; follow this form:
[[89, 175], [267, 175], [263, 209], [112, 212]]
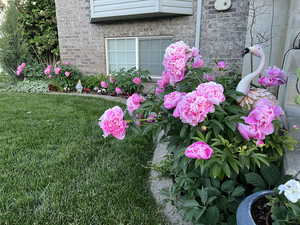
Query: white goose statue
[[252, 95]]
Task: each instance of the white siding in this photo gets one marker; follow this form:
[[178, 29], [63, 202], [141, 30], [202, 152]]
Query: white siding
[[102, 10], [177, 6]]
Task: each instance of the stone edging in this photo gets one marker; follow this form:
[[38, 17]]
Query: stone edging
[[158, 183]]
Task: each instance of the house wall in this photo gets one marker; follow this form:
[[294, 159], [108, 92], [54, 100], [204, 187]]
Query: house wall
[[83, 43]]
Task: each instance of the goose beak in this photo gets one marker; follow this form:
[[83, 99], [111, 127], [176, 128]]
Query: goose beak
[[245, 51]]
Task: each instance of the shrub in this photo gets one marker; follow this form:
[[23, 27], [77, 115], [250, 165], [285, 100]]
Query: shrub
[[213, 161], [124, 80], [13, 49], [93, 81], [39, 28]]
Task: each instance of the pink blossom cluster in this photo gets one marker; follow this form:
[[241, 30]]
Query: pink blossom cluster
[[175, 60], [134, 102], [221, 65], [198, 61], [199, 150], [274, 77], [171, 100], [112, 123], [20, 69], [118, 90], [194, 107], [103, 84], [137, 80], [47, 70], [259, 121]]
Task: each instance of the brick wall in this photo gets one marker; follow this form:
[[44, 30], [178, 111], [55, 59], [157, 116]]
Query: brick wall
[[83, 43]]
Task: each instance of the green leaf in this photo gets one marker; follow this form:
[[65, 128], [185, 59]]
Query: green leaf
[[212, 215], [256, 180], [238, 191], [227, 170], [203, 195], [216, 171], [183, 131], [190, 204], [228, 186], [271, 174]]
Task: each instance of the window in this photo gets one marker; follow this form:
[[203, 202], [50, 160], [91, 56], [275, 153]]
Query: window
[[143, 53]]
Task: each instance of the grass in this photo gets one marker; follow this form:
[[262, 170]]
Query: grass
[[57, 169]]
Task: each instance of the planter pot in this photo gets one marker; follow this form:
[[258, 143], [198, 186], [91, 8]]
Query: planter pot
[[243, 215]]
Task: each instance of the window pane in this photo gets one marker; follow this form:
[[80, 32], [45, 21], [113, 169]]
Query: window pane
[[121, 54], [151, 52]]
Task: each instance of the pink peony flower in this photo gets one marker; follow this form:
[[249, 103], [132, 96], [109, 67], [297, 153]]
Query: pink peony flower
[[260, 121], [164, 81], [48, 70], [137, 80], [209, 77], [67, 74], [274, 77], [103, 84], [198, 62], [199, 150], [171, 100], [193, 108], [57, 70], [175, 60], [20, 69], [221, 65], [212, 91], [118, 90], [112, 123], [134, 102], [195, 52]]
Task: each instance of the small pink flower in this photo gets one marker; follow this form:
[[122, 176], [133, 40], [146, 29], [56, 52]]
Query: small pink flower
[[198, 62], [134, 102], [158, 91], [118, 91], [20, 69], [48, 70], [57, 70], [152, 118], [171, 100], [296, 127], [103, 84], [193, 108], [195, 52], [221, 65], [199, 150], [112, 123], [137, 80], [164, 81], [212, 91], [209, 77], [67, 74]]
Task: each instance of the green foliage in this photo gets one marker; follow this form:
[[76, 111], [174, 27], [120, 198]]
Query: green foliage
[[39, 28], [237, 168], [123, 80], [93, 81], [29, 86], [283, 211], [34, 71], [13, 48]]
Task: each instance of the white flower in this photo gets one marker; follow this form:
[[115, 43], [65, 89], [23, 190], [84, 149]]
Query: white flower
[[291, 190]]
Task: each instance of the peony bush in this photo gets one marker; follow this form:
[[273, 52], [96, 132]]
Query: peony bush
[[219, 152]]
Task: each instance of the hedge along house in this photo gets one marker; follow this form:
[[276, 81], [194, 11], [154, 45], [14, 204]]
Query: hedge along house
[[100, 36]]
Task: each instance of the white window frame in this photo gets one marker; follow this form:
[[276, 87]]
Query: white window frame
[[137, 50]]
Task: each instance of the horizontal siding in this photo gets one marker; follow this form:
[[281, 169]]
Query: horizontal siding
[[177, 6], [109, 9]]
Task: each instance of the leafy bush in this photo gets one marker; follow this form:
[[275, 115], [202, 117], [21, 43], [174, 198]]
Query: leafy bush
[[93, 81], [39, 27], [13, 48], [29, 86], [123, 79], [214, 164]]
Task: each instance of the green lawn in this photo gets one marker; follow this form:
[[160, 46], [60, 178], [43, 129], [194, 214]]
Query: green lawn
[[56, 169]]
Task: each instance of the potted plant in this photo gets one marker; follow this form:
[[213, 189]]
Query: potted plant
[[279, 209]]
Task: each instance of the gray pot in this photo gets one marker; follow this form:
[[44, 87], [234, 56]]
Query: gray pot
[[243, 215]]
